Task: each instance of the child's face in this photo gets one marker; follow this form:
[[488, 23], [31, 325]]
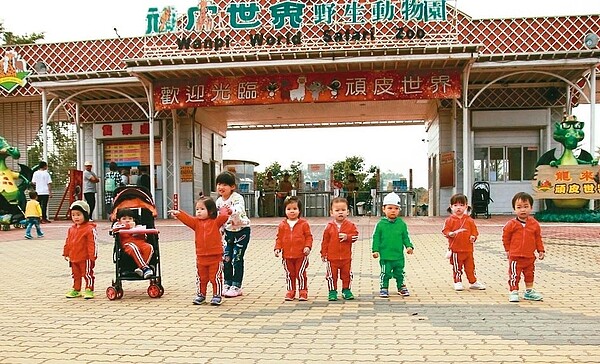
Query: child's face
[[201, 211], [225, 190], [522, 209], [77, 217], [458, 208], [292, 211], [127, 220], [391, 211], [339, 211]]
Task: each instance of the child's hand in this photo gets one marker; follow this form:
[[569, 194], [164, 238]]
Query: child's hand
[[225, 210], [324, 259], [448, 254], [306, 250], [66, 258], [375, 254], [541, 255], [174, 213], [343, 236], [409, 250], [277, 252], [473, 238], [507, 255]]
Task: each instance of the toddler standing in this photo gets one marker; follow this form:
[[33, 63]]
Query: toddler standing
[[33, 214], [336, 249], [294, 242], [209, 247], [522, 237], [461, 232], [390, 238], [81, 250], [237, 234]]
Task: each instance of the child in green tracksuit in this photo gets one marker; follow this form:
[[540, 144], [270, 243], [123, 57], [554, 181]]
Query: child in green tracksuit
[[389, 240]]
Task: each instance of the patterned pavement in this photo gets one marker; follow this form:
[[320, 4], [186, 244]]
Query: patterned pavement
[[434, 325]]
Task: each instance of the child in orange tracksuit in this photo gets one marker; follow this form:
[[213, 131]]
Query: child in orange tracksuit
[[336, 249], [81, 250], [461, 232], [294, 242], [209, 246], [521, 237], [135, 245]]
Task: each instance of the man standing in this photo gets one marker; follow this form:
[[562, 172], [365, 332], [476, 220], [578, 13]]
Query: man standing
[[42, 181], [89, 186]]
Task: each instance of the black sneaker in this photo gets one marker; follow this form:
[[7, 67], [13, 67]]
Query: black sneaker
[[147, 272], [216, 301], [200, 299]]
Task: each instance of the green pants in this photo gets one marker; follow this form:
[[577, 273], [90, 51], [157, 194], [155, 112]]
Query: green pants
[[389, 269]]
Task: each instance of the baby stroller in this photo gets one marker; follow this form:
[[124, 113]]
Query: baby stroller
[[135, 198], [481, 199]]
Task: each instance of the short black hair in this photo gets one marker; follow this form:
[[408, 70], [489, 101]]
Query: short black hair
[[33, 194], [293, 199], [42, 164], [128, 212], [338, 199], [210, 205], [226, 178], [522, 196]]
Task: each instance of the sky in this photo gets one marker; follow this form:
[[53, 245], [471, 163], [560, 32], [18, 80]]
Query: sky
[[71, 20]]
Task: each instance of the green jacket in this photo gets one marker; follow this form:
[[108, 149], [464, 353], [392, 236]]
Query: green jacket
[[390, 238]]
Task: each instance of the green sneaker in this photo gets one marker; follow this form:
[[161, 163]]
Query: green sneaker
[[332, 296], [513, 296], [88, 294], [347, 294], [532, 295], [73, 294]]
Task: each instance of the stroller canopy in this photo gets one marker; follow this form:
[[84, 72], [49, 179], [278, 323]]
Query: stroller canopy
[[132, 197]]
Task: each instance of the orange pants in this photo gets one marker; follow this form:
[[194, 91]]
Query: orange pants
[[295, 270], [85, 270], [209, 269], [141, 252], [341, 266], [518, 266], [460, 261]]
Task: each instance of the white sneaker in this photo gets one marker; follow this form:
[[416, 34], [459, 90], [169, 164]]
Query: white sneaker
[[458, 286], [233, 292], [139, 272], [478, 285], [226, 287]]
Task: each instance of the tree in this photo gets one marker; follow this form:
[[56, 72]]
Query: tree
[[11, 38], [62, 151]]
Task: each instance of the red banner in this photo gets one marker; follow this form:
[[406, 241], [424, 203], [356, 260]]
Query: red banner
[[315, 87]]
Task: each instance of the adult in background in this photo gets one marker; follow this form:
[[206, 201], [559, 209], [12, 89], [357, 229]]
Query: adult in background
[[112, 180], [42, 181], [283, 190], [144, 178], [89, 186]]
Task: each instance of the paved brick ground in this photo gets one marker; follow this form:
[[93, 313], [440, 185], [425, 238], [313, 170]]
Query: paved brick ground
[[434, 325]]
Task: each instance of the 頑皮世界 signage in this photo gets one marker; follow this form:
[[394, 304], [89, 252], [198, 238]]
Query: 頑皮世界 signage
[[213, 26], [567, 182], [310, 87]]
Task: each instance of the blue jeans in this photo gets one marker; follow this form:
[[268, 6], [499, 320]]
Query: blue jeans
[[233, 262], [33, 221]]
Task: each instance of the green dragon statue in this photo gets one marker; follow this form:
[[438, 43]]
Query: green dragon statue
[[12, 184], [569, 133]]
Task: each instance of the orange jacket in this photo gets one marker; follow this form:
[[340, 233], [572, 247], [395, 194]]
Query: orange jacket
[[331, 247], [292, 242], [522, 241], [81, 243], [208, 238], [462, 241]]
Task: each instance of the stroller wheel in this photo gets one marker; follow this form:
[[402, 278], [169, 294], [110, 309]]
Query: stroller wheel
[[111, 293], [154, 291], [119, 293]]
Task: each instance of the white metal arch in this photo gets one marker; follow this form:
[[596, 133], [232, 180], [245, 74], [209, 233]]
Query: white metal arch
[[574, 85]]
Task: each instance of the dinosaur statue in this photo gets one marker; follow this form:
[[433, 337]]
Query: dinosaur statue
[[12, 184], [569, 133]]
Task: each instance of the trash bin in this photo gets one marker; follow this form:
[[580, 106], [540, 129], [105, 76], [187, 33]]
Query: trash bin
[[360, 208]]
